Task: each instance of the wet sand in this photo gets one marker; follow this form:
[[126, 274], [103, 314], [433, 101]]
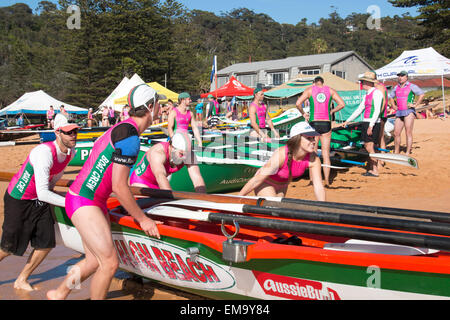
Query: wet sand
[[426, 188]]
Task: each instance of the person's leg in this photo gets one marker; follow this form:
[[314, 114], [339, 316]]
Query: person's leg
[[265, 190], [372, 163], [3, 254], [325, 140], [101, 258], [381, 141], [409, 126], [34, 260], [398, 127]]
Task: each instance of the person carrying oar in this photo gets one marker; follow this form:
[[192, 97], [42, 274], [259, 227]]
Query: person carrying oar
[[372, 104], [164, 159], [180, 117], [27, 213], [259, 118], [320, 115], [107, 170], [287, 163]]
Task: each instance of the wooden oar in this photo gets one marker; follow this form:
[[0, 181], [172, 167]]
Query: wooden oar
[[416, 240]]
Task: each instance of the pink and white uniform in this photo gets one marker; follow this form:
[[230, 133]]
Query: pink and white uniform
[[23, 185], [143, 172], [298, 168], [260, 114], [320, 104], [93, 185], [182, 121]]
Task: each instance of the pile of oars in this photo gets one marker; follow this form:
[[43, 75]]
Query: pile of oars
[[417, 228]]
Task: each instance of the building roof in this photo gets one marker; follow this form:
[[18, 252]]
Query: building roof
[[299, 61]]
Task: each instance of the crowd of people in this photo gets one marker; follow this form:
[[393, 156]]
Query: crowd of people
[[28, 217]]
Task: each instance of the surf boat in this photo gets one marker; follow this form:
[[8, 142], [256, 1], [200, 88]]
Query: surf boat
[[228, 247]]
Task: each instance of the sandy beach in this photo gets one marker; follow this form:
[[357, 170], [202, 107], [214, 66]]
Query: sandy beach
[[426, 188]]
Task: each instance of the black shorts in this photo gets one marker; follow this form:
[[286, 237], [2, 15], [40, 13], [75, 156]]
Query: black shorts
[[321, 126], [25, 221], [375, 132], [213, 121]]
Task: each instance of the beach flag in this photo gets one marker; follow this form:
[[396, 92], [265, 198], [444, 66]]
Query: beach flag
[[213, 69]]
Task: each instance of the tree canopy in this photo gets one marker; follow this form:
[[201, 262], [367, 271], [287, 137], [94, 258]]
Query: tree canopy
[[163, 41]]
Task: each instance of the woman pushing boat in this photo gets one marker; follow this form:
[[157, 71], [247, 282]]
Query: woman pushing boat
[[287, 163], [106, 171], [259, 117], [164, 159], [180, 117]]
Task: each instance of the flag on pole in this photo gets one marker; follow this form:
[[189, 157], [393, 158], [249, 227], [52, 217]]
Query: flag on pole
[[213, 69]]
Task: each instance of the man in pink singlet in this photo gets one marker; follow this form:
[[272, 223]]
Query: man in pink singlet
[[106, 171], [372, 104], [259, 117], [27, 212], [181, 117], [287, 163], [320, 116], [164, 159]]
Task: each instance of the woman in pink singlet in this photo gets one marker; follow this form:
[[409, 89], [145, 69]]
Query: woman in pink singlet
[[259, 118], [287, 163]]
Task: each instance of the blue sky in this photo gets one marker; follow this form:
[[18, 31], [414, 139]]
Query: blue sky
[[282, 11]]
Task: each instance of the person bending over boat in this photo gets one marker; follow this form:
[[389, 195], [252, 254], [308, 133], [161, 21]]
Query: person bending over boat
[[372, 104], [105, 171], [320, 116], [27, 213], [259, 118], [404, 94], [180, 118], [164, 159], [212, 112], [287, 163]]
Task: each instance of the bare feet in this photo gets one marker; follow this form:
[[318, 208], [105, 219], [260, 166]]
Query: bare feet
[[23, 285], [53, 295]]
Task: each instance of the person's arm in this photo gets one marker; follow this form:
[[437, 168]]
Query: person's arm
[[304, 96], [42, 160], [270, 123], [196, 178], [271, 167], [355, 113], [156, 160], [126, 142], [336, 97], [315, 169], [391, 97], [418, 92], [196, 131], [171, 123]]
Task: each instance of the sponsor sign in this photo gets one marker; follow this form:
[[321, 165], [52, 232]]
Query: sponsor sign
[[294, 288], [165, 262]]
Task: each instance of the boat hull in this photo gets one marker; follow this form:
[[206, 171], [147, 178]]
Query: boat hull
[[271, 270]]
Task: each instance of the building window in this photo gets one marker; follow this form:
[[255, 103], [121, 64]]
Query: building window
[[310, 71], [339, 73], [247, 79], [277, 78], [220, 81]]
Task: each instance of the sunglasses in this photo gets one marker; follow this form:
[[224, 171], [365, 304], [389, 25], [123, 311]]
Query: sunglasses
[[69, 133]]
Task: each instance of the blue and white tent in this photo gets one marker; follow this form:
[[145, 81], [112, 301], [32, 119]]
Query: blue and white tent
[[38, 102]]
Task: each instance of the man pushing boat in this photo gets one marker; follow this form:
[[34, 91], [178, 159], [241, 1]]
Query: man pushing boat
[[287, 163], [27, 212], [105, 171], [164, 159]]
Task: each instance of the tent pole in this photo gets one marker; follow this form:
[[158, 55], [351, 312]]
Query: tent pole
[[443, 96]]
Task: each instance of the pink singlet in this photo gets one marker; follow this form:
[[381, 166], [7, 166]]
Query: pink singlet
[[282, 176], [143, 172], [260, 114], [23, 184], [93, 185], [182, 121]]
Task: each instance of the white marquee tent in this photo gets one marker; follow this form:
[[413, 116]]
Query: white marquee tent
[[121, 90], [38, 102], [421, 63]]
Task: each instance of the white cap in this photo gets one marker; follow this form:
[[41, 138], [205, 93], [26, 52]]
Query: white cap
[[303, 128], [141, 96], [61, 123], [181, 141]]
